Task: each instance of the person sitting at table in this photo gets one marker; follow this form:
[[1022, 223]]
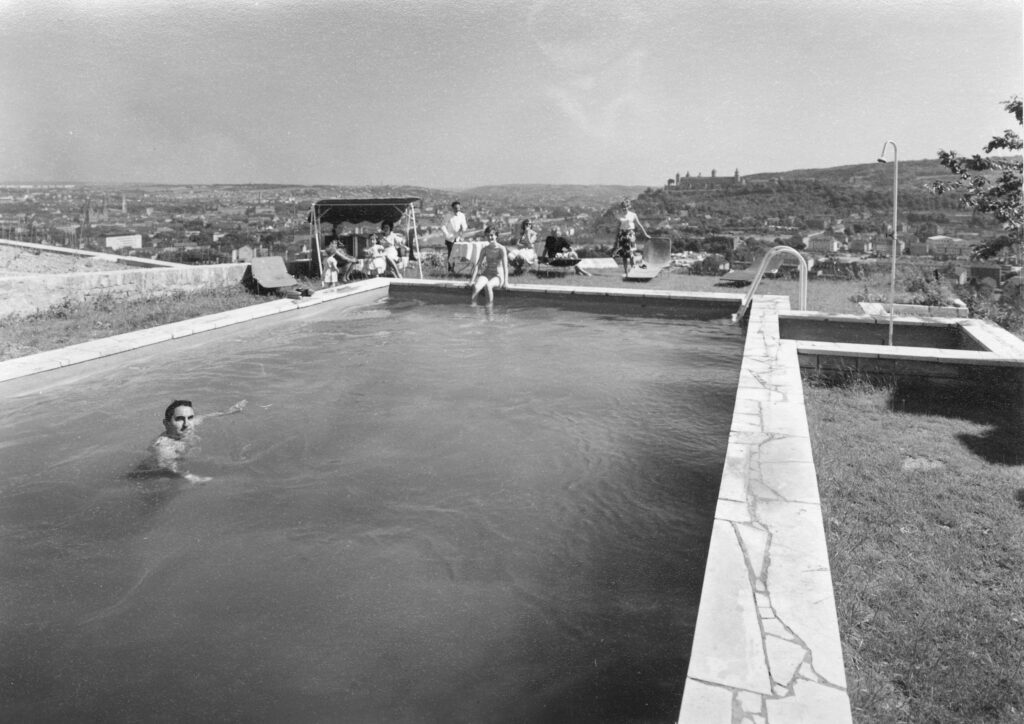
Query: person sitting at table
[[374, 264], [392, 244]]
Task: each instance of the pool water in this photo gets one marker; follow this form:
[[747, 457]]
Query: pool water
[[425, 513]]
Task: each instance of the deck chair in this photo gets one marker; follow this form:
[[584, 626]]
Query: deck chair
[[737, 278], [743, 277], [270, 274], [657, 255]]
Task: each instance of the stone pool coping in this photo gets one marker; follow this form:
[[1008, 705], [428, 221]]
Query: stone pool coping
[[766, 646]]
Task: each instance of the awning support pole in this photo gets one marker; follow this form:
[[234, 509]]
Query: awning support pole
[[314, 230], [411, 219]]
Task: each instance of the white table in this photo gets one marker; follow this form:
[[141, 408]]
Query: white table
[[466, 254]]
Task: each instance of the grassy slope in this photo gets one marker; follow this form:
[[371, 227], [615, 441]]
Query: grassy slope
[[71, 323], [926, 540]]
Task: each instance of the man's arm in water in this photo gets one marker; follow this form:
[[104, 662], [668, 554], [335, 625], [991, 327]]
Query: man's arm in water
[[237, 407]]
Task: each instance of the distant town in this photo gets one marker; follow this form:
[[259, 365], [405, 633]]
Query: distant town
[[830, 211]]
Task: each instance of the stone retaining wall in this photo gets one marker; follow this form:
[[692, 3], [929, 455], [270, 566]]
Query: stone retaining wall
[[37, 292]]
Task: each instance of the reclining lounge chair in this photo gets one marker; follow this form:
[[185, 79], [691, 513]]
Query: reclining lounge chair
[[270, 274]]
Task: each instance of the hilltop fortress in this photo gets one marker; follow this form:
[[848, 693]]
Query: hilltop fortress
[[698, 182]]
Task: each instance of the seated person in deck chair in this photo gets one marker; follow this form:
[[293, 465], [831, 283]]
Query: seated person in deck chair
[[551, 244], [344, 261], [521, 254], [392, 244], [559, 251]]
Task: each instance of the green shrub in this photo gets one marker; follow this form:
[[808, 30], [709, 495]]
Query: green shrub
[[983, 303], [866, 295], [927, 290]]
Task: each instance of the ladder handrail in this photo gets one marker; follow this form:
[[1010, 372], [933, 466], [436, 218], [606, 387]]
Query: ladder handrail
[[760, 273]]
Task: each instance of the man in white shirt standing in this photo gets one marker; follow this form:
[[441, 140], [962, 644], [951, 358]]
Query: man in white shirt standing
[[453, 227]]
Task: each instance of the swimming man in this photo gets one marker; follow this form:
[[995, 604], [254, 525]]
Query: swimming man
[[179, 439]]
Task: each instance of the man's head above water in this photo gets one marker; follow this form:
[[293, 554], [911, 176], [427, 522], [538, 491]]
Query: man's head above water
[[179, 418]]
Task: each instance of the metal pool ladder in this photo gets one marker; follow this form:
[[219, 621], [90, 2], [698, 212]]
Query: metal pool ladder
[[760, 273]]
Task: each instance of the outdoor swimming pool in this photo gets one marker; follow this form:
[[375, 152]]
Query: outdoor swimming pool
[[426, 512]]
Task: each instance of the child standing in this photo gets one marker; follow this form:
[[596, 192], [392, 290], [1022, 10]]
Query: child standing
[[330, 270]]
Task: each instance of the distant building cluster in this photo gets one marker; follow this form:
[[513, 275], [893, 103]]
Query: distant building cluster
[[689, 182]]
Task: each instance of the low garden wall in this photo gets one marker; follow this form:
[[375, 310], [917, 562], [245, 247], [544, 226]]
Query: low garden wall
[[36, 292], [55, 274], [31, 293], [985, 360]]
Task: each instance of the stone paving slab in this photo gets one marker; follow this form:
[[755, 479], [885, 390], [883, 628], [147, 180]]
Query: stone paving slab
[[996, 339], [766, 646]]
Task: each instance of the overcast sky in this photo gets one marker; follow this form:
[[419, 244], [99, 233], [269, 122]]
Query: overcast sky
[[453, 94]]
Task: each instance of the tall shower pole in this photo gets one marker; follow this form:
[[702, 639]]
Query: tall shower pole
[[895, 186]]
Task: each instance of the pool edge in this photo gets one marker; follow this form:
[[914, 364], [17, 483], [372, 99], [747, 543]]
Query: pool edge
[[766, 645]]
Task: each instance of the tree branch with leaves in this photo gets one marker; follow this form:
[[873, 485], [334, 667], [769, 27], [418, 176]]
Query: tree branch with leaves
[[991, 185]]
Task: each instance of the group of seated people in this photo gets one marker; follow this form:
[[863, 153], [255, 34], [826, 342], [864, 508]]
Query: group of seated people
[[385, 254], [557, 250]]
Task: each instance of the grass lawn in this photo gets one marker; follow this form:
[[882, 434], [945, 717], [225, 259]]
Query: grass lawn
[[925, 531]]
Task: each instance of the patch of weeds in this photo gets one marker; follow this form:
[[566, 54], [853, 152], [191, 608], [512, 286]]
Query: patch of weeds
[[64, 309]]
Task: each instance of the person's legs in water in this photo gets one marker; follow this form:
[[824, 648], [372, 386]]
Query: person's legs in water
[[478, 285], [491, 284]]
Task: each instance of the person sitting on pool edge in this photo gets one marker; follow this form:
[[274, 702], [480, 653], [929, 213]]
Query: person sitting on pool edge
[[491, 267], [179, 439]]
